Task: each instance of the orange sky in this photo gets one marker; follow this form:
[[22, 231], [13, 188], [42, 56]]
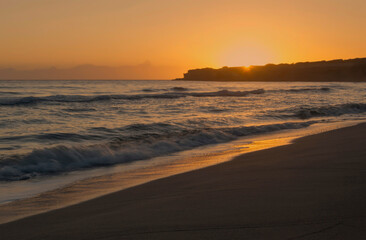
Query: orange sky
[[183, 33]]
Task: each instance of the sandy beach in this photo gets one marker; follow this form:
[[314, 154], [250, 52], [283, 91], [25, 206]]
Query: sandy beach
[[312, 189]]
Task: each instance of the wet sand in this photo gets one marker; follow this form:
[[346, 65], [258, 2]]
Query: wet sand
[[312, 189]]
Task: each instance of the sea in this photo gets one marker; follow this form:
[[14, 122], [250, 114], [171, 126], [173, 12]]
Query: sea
[[73, 137]]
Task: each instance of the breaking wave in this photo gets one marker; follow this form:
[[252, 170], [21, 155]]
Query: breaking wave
[[171, 93], [178, 93], [117, 150], [331, 110], [227, 93], [297, 90], [177, 89], [10, 93]]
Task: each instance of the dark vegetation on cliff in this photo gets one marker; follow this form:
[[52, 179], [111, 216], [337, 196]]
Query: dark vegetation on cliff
[[352, 70]]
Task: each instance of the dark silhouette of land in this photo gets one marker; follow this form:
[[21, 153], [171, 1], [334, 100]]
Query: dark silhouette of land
[[352, 70]]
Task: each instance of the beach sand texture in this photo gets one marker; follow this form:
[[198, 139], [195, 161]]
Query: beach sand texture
[[312, 189]]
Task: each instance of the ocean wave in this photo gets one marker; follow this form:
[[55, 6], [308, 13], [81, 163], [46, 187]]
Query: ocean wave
[[239, 93], [296, 90], [10, 93], [177, 89], [301, 90], [153, 90], [78, 98], [14, 101], [64, 158], [73, 137], [227, 93], [330, 110], [79, 109]]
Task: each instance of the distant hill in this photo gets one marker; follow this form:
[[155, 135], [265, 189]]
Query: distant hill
[[352, 70], [92, 72]]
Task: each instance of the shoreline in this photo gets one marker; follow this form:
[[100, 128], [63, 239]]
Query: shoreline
[[116, 178], [95, 205], [121, 177]]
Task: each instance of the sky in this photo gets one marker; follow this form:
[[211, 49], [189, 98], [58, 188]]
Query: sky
[[179, 33]]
